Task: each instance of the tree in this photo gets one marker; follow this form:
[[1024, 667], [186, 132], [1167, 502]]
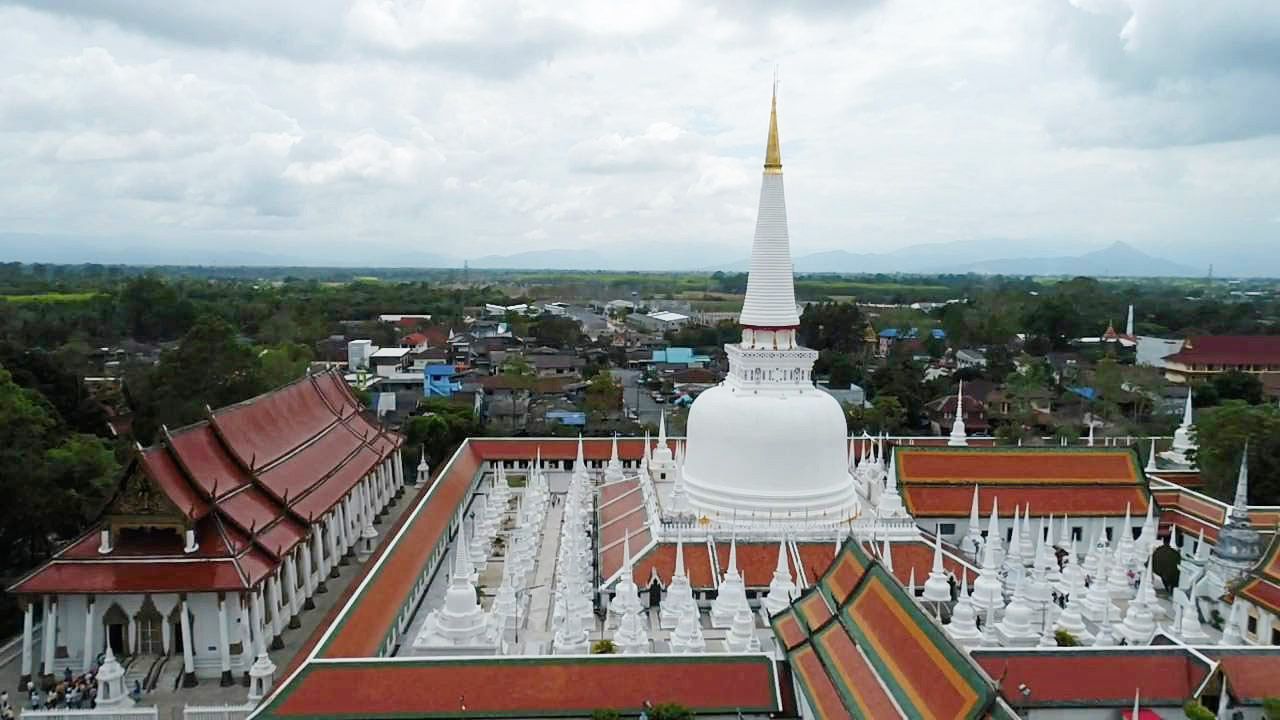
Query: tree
[[1221, 433], [1237, 385], [832, 326], [604, 396], [440, 427], [842, 371], [65, 477], [209, 367]]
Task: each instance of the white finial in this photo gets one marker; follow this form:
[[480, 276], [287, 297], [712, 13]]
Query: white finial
[[679, 554], [1186, 410], [1151, 458], [958, 437], [1128, 330], [1240, 508], [886, 556]]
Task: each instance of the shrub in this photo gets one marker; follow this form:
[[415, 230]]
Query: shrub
[[603, 647], [1066, 639], [605, 715], [1216, 619], [1195, 711], [670, 711]]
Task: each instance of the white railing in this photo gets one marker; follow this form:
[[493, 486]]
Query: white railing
[[217, 712], [133, 713]]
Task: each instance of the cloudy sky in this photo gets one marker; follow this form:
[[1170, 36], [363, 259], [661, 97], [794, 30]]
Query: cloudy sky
[[388, 132]]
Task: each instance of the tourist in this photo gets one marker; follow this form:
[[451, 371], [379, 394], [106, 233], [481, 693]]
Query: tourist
[[66, 675], [4, 700], [136, 693]]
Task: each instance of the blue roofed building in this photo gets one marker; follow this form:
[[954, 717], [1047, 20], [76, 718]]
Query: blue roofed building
[[437, 381], [678, 357]]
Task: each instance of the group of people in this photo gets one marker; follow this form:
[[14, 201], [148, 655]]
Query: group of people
[[72, 691]]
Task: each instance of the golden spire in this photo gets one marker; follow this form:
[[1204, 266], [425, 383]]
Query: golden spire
[[772, 153]]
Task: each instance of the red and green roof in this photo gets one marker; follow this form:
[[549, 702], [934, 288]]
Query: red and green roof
[[878, 653], [1262, 587], [1081, 482]]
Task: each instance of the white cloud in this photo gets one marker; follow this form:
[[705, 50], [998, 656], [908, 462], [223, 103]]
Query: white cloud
[[346, 127]]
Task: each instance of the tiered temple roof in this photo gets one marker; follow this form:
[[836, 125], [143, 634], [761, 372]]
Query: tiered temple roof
[[247, 481], [860, 647], [1080, 482], [1262, 585]]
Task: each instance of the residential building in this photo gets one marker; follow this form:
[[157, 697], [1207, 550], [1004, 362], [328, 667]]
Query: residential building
[[1204, 356]]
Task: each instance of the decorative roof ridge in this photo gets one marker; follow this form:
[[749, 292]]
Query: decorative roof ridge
[[187, 475]]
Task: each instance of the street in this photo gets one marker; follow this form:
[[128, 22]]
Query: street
[[637, 398]]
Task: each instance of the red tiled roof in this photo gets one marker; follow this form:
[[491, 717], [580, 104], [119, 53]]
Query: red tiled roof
[[1016, 466], [309, 445], [152, 562], [846, 664], [938, 481], [528, 686], [262, 430], [1088, 677], [1229, 350], [918, 556], [816, 684], [943, 501], [167, 476], [1251, 673], [756, 561]]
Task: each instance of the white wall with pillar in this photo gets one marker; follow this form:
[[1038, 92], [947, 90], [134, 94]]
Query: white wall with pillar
[[81, 631]]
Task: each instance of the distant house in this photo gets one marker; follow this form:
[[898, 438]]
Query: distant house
[[554, 364], [438, 381], [675, 358], [853, 396], [1204, 356], [942, 414], [971, 358], [660, 320], [892, 336]]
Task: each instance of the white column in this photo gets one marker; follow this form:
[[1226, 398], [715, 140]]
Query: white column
[[258, 618], [188, 658], [276, 600], [344, 513], [291, 585], [28, 630], [246, 632], [399, 466], [50, 631], [88, 634], [305, 551], [224, 641], [334, 552]]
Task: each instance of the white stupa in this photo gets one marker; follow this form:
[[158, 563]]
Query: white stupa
[[1184, 441], [766, 441]]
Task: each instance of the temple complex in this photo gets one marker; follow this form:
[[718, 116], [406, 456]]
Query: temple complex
[[765, 565]]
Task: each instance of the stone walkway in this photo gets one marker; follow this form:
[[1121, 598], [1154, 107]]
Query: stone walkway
[[170, 701]]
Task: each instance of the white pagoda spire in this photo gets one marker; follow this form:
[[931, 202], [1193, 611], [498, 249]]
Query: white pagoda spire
[[958, 436], [1128, 331], [987, 590], [679, 598], [626, 596], [963, 627], [770, 303], [732, 593], [781, 587], [424, 470], [972, 541], [936, 588], [1183, 437]]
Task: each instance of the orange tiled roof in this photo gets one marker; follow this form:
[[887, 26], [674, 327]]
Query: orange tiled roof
[[524, 687], [1082, 482], [1167, 676]]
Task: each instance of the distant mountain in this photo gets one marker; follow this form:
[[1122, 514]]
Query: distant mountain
[[1116, 260], [986, 257], [646, 257]]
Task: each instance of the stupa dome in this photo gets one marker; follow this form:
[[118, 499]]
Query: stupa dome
[[758, 454]]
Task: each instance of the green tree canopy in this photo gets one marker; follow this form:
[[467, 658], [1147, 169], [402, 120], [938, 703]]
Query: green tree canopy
[[1221, 433]]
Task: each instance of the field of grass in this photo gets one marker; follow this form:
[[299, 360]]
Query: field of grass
[[50, 298]]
